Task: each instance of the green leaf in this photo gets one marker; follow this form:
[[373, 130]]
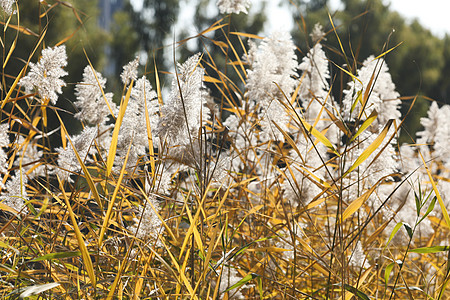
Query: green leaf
[[429, 210], [408, 229], [57, 255], [396, 228], [242, 282], [418, 205], [4, 245], [433, 249], [387, 273], [356, 292], [260, 289]]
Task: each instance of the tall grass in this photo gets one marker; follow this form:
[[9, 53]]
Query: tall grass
[[258, 187]]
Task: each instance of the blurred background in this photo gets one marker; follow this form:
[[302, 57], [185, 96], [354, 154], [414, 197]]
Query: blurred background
[[112, 32]]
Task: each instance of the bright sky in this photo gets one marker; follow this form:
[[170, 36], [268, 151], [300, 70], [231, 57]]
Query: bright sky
[[432, 14]]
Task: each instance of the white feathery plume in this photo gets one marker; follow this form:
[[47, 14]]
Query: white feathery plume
[[314, 89], [46, 75], [130, 71], [273, 66], [133, 127], [383, 97], [16, 194], [90, 101], [147, 223], [7, 6], [185, 112], [233, 6], [67, 159]]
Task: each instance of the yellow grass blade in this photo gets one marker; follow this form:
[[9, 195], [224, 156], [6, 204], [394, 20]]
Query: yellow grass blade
[[214, 27], [337, 122], [113, 199], [179, 273], [358, 99], [348, 295], [158, 87], [150, 139], [211, 79], [348, 73], [366, 124], [436, 191], [10, 52], [387, 51], [20, 29], [368, 90], [13, 86], [249, 35], [372, 147], [81, 243], [193, 228], [115, 136], [355, 205], [318, 135]]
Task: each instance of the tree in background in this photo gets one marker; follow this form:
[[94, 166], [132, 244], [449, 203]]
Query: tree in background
[[74, 22], [364, 26]]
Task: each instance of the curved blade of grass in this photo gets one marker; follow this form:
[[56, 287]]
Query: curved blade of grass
[[348, 73], [433, 249], [372, 147], [81, 243], [339, 40], [10, 52], [115, 136], [387, 272], [367, 122], [356, 292], [367, 91], [242, 282], [394, 231]]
